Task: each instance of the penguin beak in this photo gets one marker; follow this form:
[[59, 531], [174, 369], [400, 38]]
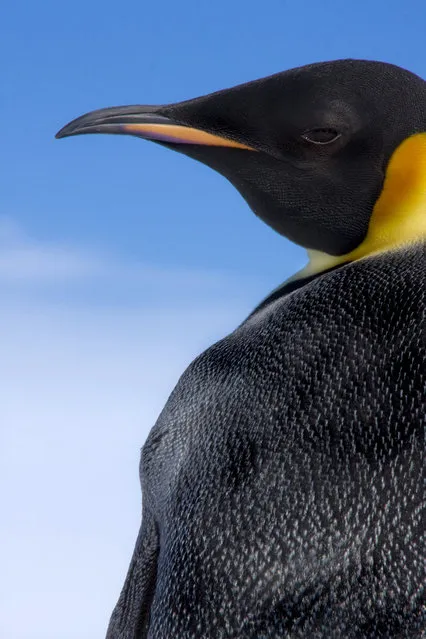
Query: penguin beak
[[146, 123]]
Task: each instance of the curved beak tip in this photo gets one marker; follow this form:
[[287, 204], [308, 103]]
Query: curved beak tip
[[60, 134], [69, 129]]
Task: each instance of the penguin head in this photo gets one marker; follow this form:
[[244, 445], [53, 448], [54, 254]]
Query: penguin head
[[309, 149]]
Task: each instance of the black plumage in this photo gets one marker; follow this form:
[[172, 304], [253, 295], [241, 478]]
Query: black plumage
[[283, 481]]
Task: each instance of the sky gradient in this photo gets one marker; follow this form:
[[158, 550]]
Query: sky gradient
[[120, 261]]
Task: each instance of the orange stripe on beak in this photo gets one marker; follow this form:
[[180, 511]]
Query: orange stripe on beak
[[178, 134]]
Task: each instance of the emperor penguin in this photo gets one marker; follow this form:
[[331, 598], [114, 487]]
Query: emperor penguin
[[283, 481]]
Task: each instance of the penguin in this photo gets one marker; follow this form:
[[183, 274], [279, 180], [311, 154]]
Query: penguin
[[282, 482]]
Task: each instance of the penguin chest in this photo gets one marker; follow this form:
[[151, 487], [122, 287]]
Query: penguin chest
[[286, 467]]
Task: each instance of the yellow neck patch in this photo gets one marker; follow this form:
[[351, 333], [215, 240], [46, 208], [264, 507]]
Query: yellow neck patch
[[399, 215]]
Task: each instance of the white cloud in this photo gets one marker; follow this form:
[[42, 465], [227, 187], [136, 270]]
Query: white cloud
[[81, 386], [30, 264], [23, 259], [27, 261]]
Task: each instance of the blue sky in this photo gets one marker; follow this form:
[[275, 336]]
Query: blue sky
[[120, 261]]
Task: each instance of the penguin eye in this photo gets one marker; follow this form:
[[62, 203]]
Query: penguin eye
[[321, 136]]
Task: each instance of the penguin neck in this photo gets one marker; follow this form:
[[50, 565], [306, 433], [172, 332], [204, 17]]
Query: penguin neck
[[399, 215]]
